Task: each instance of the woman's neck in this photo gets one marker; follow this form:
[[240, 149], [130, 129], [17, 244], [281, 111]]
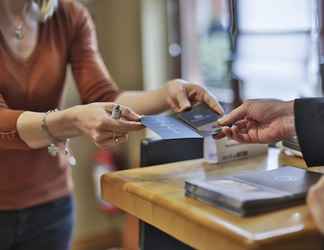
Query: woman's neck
[[11, 10], [13, 7]]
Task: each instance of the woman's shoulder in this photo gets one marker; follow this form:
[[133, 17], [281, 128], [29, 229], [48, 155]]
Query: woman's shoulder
[[72, 10], [71, 5]]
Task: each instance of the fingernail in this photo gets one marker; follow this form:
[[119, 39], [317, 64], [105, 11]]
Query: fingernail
[[187, 107], [184, 108], [222, 111], [220, 121]]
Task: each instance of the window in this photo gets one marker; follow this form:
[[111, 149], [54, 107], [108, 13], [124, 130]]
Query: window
[[271, 47], [205, 43]]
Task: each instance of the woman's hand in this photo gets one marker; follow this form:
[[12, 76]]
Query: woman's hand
[[260, 121], [95, 121], [181, 95], [315, 202]]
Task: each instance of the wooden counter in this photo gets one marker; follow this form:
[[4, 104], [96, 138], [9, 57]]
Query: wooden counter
[[156, 195]]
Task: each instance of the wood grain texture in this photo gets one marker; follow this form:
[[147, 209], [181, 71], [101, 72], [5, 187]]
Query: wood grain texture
[[98, 241], [156, 196]]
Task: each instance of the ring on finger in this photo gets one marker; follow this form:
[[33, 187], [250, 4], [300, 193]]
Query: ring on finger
[[115, 138], [118, 139]]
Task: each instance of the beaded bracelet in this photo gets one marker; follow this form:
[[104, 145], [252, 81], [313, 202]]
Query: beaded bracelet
[[54, 149]]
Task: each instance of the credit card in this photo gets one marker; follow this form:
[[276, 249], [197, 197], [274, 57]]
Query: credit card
[[169, 127], [200, 121], [202, 118]]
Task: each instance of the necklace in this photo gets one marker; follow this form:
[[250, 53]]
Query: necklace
[[19, 32], [19, 29]]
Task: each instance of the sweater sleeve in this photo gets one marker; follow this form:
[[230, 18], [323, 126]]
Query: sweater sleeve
[[309, 121], [92, 77], [9, 137]]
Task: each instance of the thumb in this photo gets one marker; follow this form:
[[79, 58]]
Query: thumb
[[183, 101], [210, 100], [236, 115]]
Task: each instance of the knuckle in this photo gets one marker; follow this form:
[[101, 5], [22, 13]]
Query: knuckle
[[310, 198], [101, 124], [176, 81], [100, 145], [318, 193], [171, 83], [94, 104], [321, 182], [314, 193], [201, 89], [182, 88], [95, 136], [127, 111], [246, 103], [178, 84], [98, 124]]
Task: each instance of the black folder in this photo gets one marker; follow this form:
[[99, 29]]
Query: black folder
[[254, 192]]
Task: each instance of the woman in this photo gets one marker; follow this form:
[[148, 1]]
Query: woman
[[38, 39]]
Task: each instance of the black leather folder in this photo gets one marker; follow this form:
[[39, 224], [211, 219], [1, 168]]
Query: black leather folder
[[254, 192]]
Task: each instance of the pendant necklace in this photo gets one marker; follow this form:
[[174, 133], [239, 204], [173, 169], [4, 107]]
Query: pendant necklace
[[19, 29], [19, 32]]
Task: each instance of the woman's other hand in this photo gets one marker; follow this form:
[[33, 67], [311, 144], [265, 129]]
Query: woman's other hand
[[95, 121], [315, 202], [181, 95]]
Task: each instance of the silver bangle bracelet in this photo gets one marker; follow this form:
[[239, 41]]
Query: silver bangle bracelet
[[45, 128], [54, 148]]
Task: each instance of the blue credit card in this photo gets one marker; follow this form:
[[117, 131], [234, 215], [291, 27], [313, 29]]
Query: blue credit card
[[169, 127]]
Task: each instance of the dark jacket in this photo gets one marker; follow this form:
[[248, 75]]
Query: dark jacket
[[309, 121]]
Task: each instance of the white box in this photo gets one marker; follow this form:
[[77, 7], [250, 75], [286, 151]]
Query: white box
[[219, 151]]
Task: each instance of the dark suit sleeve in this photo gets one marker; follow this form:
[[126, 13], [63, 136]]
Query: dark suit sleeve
[[309, 122]]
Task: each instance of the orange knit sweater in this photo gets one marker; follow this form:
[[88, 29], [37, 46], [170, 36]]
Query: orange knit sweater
[[30, 177]]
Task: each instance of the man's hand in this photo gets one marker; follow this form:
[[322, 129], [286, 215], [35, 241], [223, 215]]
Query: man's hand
[[181, 95], [260, 121], [315, 202]]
